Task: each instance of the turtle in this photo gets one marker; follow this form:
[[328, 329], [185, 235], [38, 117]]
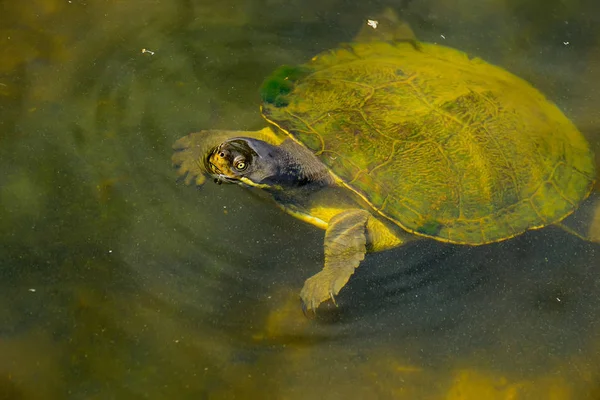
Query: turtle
[[386, 140]]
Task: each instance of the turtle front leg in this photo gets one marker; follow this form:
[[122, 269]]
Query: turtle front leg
[[345, 248]]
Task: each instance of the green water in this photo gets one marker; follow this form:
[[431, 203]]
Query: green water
[[118, 282]]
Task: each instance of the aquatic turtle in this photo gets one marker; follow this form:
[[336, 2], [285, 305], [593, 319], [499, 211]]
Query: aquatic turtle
[[386, 140]]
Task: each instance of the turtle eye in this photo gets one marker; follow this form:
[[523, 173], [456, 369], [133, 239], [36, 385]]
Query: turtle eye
[[240, 164]]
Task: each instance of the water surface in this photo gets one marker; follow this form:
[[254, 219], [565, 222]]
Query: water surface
[[118, 282]]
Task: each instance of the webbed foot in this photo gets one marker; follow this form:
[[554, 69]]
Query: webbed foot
[[319, 288]]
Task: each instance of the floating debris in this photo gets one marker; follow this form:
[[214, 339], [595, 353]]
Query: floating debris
[[372, 23]]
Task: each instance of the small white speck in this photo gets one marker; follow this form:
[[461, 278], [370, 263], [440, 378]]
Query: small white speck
[[110, 251], [443, 37], [566, 43], [147, 51], [558, 299], [372, 23], [32, 290], [176, 340]]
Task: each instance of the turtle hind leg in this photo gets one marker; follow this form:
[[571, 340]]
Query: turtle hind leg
[[386, 27], [585, 221], [345, 248]]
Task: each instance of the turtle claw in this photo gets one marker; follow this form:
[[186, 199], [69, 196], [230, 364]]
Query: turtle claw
[[308, 313], [317, 289], [310, 310], [332, 299]]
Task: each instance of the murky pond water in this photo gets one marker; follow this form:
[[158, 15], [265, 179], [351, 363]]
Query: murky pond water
[[118, 282]]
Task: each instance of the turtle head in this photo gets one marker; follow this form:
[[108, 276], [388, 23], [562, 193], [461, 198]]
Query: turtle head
[[243, 160], [257, 163]]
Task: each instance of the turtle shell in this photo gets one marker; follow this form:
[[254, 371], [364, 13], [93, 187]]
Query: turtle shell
[[445, 146]]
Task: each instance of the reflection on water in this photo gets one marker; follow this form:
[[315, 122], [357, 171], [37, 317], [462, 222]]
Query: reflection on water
[[116, 282]]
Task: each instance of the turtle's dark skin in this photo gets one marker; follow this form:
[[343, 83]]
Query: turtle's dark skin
[[387, 140]]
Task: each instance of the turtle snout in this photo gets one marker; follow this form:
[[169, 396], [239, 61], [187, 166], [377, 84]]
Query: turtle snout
[[219, 162]]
